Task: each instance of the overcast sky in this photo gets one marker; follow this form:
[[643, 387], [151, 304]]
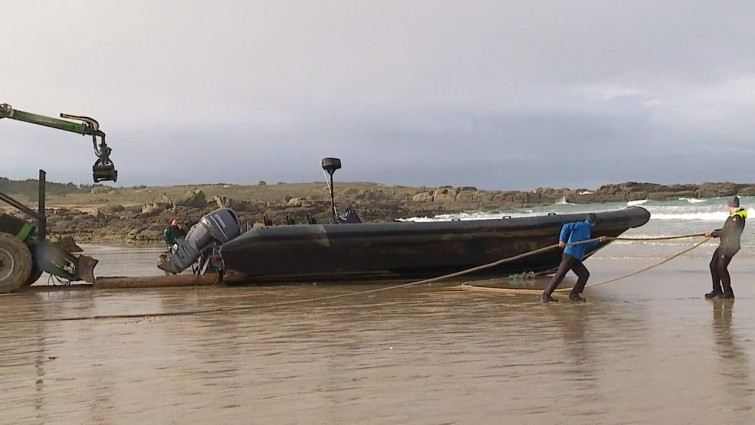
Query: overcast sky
[[496, 94]]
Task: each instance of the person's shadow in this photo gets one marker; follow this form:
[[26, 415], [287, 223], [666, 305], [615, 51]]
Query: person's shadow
[[734, 365]]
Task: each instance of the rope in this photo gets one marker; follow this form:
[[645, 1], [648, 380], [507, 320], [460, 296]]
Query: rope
[[514, 291], [653, 266], [660, 238], [372, 291]]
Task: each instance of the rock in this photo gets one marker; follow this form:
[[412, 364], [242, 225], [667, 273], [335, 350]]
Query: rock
[[423, 197], [634, 196], [147, 208], [164, 200], [83, 217], [66, 212], [131, 210], [715, 190], [54, 219], [640, 187], [444, 194], [194, 199], [237, 205], [465, 196], [149, 211], [133, 232], [64, 226], [521, 197], [683, 188], [483, 196], [549, 192], [369, 195], [662, 196], [222, 201], [376, 203], [107, 210]]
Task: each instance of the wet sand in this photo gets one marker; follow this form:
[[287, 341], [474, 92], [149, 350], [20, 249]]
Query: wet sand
[[647, 349]]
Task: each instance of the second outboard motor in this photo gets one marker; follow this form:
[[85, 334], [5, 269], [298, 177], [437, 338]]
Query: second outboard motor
[[213, 229]]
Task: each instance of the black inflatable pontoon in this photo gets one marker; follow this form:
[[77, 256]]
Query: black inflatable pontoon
[[337, 252]]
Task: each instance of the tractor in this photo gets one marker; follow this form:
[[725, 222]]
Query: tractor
[[25, 251]]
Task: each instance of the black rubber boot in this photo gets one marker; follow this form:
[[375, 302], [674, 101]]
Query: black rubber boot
[[546, 298], [728, 295], [575, 297], [713, 294]]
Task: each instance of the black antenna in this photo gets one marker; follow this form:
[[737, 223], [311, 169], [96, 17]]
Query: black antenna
[[331, 165]]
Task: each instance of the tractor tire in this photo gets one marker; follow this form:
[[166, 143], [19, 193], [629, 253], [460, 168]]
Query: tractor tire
[[34, 276], [36, 271], [15, 263]]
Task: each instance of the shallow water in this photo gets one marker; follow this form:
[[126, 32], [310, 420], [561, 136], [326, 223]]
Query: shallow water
[[647, 349]]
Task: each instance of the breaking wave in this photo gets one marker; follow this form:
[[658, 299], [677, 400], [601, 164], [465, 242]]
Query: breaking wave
[[714, 214], [692, 216]]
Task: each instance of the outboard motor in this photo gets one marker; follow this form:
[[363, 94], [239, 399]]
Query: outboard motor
[[213, 230]]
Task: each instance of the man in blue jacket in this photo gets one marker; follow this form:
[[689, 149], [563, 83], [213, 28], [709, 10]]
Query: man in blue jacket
[[572, 258]]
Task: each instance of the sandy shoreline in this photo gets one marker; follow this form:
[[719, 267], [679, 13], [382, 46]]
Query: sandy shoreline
[[639, 351]]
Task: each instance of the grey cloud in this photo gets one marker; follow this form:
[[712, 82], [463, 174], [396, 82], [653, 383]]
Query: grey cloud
[[499, 95]]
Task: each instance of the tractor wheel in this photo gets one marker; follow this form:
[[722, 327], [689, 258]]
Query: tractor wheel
[[33, 276], [15, 263], [36, 272]]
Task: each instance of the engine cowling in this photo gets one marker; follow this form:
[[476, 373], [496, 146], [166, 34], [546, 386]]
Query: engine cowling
[[213, 229]]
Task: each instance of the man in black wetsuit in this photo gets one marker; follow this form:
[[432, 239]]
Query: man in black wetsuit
[[729, 246]]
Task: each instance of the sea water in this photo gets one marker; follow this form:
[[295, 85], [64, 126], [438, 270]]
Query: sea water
[[682, 216]]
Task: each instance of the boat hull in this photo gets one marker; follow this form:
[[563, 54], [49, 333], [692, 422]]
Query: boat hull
[[368, 251]]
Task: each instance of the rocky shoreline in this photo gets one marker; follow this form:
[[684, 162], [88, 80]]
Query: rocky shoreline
[[113, 214]]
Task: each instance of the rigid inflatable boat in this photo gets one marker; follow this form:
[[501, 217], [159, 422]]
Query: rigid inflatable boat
[[338, 252], [349, 250]]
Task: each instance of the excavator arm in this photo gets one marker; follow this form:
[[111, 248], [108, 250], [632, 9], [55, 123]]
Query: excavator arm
[[103, 169]]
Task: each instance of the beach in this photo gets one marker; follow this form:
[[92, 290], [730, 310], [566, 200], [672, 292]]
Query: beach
[[644, 349]]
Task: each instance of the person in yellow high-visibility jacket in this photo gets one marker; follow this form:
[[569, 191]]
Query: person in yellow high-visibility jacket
[[729, 246]]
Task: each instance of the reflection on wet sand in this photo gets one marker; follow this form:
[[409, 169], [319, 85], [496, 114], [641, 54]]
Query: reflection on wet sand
[[733, 362]]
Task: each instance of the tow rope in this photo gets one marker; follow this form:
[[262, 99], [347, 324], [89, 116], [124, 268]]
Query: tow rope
[[515, 291]]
